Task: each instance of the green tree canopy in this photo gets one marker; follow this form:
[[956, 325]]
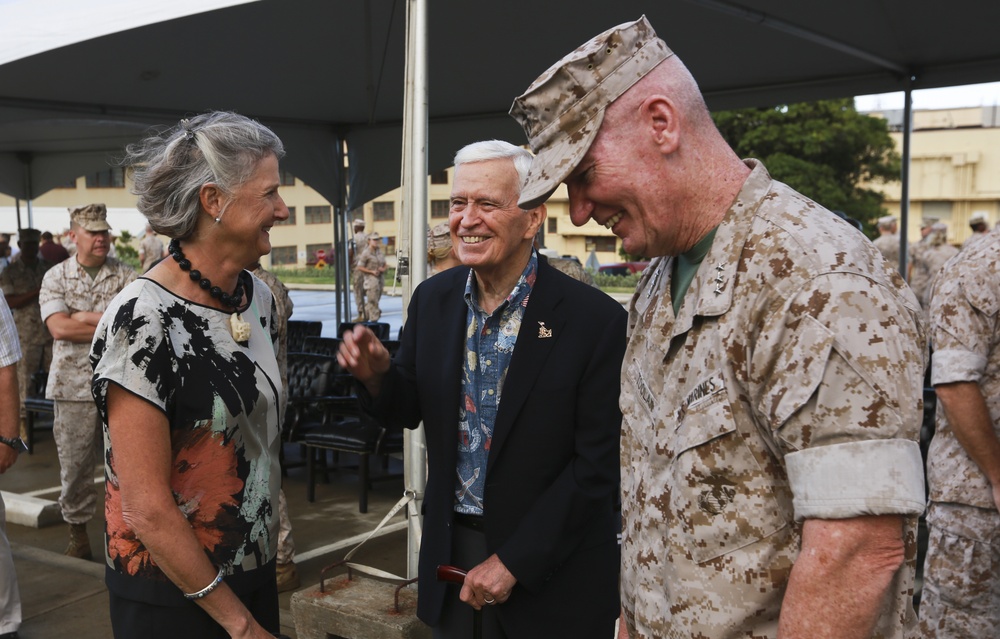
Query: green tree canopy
[[825, 150]]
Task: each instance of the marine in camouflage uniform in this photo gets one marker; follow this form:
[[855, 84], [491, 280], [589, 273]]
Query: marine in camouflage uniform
[[371, 264], [772, 384], [20, 283], [786, 389], [288, 578], [71, 302], [360, 243], [961, 595], [926, 260], [888, 240]]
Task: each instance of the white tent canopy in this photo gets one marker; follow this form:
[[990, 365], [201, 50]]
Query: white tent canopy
[[321, 72]]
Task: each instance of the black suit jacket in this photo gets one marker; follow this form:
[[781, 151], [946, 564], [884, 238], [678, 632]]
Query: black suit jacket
[[553, 469]]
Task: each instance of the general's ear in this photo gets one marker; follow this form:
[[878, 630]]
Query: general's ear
[[662, 119]]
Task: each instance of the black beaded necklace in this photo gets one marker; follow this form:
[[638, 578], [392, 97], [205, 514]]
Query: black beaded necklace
[[231, 301]]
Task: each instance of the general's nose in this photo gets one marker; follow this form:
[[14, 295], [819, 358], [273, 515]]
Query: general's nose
[[580, 206]]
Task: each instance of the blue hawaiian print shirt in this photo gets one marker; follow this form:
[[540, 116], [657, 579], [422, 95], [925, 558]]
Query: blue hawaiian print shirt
[[489, 345]]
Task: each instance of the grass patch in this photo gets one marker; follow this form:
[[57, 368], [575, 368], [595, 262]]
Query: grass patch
[[317, 275]]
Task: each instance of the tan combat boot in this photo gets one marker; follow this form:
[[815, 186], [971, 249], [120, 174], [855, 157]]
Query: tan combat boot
[[79, 542], [288, 577]]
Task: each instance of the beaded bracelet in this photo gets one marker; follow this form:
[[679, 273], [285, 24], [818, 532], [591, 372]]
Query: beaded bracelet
[[207, 589]]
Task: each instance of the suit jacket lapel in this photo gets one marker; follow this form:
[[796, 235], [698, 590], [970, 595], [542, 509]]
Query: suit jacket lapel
[[449, 336], [530, 352]]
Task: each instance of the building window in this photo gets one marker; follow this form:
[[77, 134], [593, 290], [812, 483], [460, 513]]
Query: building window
[[283, 255], [553, 227], [439, 177], [440, 208], [287, 179], [291, 218], [389, 245], [112, 177], [318, 214], [601, 244], [384, 211]]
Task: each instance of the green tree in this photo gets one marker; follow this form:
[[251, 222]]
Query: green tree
[[126, 252], [825, 150]]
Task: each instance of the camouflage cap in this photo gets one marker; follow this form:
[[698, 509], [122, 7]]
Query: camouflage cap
[[358, 222], [439, 237], [928, 222], [562, 110], [886, 221], [93, 217], [979, 217], [29, 235]]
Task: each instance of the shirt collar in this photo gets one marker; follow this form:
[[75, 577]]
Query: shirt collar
[[518, 295]]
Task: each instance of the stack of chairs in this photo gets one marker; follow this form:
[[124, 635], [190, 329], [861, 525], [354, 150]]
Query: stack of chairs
[[325, 416]]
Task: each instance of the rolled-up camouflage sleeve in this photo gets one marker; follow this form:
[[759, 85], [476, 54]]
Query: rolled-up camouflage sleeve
[[844, 399], [964, 313]]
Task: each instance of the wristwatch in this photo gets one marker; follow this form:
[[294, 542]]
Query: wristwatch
[[14, 442]]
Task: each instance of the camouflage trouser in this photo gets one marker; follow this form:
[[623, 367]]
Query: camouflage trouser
[[373, 290], [34, 357], [10, 597], [76, 428], [286, 545], [358, 285], [961, 596]]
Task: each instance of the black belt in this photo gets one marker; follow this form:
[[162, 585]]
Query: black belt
[[475, 522]]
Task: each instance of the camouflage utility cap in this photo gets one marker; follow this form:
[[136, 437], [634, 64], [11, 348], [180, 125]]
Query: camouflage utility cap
[[562, 110], [979, 217], [93, 217], [439, 237]]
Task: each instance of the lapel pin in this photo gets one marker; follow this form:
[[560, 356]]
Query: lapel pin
[[543, 332]]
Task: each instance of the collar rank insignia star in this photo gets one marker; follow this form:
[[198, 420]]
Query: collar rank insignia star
[[720, 280], [543, 332]]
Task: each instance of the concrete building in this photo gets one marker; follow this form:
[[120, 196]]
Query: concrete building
[[954, 168]]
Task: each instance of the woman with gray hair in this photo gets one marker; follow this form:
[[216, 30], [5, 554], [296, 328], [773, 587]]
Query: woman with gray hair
[[187, 383]]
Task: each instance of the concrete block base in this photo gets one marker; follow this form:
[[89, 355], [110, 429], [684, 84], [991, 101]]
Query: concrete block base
[[24, 510], [357, 609]]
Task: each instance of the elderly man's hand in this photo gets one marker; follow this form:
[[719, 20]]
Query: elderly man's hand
[[488, 583], [365, 357]]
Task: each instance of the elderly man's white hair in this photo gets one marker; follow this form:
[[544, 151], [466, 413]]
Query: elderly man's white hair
[[496, 150]]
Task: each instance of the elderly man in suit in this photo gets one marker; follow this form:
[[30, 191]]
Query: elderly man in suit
[[514, 369]]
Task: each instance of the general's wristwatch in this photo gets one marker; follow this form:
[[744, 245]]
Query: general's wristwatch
[[14, 442]]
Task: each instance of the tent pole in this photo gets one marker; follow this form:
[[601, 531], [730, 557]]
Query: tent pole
[[340, 266], [413, 253], [26, 164], [904, 195]]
